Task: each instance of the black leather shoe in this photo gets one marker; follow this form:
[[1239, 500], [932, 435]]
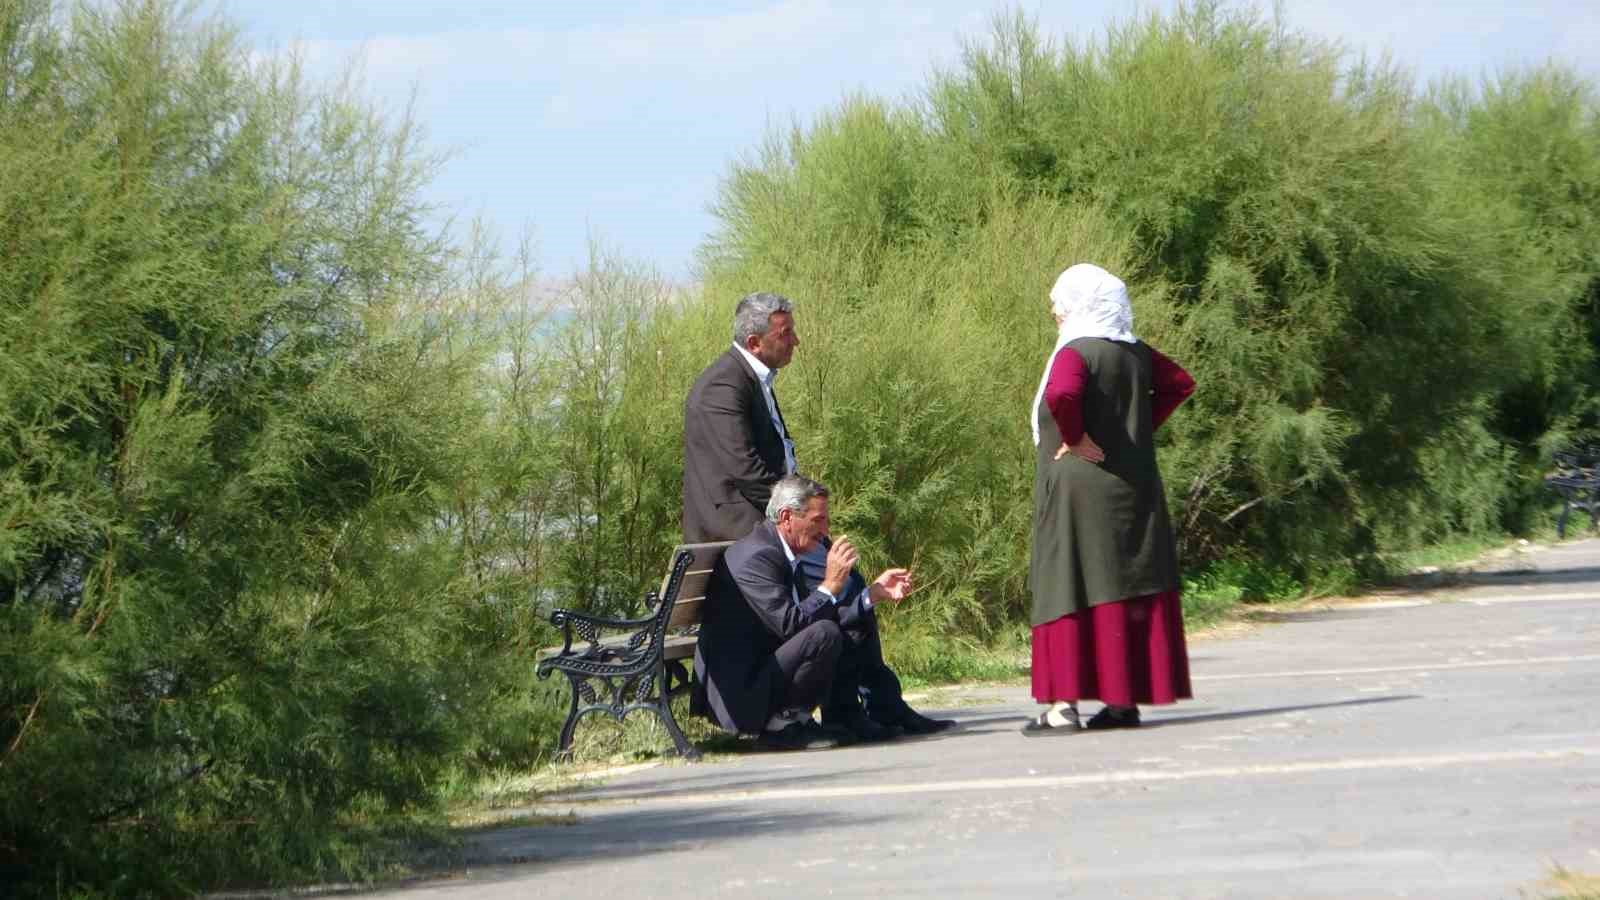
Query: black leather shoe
[[1112, 717], [862, 729], [913, 722], [797, 736]]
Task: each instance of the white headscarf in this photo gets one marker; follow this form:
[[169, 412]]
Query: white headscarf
[[1091, 303]]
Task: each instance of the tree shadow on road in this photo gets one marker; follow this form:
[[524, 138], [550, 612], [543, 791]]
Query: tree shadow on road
[[675, 783], [618, 837], [1166, 721], [1572, 575], [1320, 614], [1014, 720], [1453, 579]]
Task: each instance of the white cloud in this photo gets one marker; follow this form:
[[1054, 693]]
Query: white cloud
[[772, 42], [579, 76], [792, 55], [1579, 37], [784, 28], [1466, 37], [557, 112], [630, 121]]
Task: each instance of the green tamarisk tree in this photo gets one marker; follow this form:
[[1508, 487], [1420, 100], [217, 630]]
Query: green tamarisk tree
[[239, 378]]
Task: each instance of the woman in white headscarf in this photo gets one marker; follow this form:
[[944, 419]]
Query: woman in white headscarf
[[1107, 619]]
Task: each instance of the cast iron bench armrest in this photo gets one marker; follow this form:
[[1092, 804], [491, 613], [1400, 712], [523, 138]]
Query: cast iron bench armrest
[[589, 627]]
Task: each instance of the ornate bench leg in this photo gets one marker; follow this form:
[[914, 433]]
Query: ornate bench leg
[[664, 710], [564, 749]]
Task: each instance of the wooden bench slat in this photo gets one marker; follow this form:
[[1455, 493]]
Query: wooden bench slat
[[695, 584], [679, 646], [687, 611], [705, 559]]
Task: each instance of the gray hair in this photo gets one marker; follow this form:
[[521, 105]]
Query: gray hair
[[753, 315], [793, 492]]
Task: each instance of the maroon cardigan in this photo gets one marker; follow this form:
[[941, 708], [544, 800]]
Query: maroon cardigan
[[1063, 391]]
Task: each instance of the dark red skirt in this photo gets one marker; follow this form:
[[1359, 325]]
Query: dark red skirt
[[1124, 653]]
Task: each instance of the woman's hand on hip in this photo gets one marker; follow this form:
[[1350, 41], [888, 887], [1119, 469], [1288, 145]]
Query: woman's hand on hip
[[1084, 448]]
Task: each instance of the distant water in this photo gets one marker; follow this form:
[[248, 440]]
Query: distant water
[[554, 321]]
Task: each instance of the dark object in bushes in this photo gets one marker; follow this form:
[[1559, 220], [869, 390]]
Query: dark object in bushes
[[1577, 480]]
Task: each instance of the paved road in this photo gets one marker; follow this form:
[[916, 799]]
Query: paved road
[[1439, 743]]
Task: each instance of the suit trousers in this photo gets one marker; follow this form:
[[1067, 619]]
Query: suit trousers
[[809, 662], [863, 679]]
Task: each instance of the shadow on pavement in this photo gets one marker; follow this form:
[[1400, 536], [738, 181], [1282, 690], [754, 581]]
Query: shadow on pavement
[[1011, 722], [1529, 575], [620, 835], [979, 720], [713, 780], [1165, 721], [1271, 616], [672, 782], [1456, 581], [1014, 721], [1575, 575]]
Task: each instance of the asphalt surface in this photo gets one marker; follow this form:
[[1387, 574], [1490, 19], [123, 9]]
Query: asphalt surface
[[1441, 742]]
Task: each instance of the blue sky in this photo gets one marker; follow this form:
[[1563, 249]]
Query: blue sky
[[617, 118]]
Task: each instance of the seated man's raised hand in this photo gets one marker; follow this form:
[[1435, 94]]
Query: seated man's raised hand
[[893, 584], [842, 557]]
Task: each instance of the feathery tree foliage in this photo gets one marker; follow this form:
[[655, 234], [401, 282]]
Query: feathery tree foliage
[[237, 377], [1381, 292]]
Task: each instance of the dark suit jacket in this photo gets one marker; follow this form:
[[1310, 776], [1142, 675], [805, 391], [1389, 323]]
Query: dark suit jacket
[[732, 453], [750, 612]]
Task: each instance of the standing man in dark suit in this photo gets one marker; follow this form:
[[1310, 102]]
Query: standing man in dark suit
[[770, 648], [735, 442], [736, 445]]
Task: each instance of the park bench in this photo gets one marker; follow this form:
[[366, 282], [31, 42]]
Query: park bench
[[1577, 480], [642, 664]]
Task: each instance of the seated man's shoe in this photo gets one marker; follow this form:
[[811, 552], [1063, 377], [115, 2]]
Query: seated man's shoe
[[860, 729], [1113, 717], [915, 723], [804, 735]]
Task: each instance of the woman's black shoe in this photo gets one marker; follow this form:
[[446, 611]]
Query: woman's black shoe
[[1112, 717]]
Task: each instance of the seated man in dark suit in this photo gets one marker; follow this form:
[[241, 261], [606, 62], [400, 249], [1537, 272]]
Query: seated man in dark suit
[[770, 649], [736, 445]]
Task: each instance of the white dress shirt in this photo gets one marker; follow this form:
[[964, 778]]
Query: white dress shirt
[[766, 376]]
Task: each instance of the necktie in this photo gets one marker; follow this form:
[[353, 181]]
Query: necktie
[[789, 463]]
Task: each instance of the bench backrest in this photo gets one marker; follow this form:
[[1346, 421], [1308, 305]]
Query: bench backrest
[[696, 581]]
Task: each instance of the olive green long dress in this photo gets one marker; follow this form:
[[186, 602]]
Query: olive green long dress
[[1101, 532]]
